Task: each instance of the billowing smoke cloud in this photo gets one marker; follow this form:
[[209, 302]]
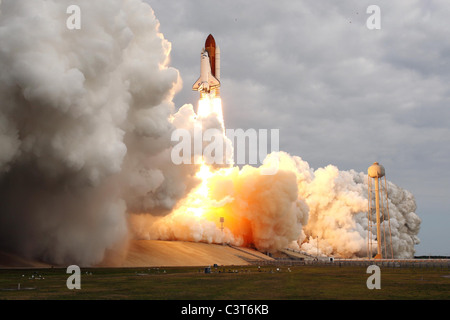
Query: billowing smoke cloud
[[295, 207], [86, 119], [338, 214], [84, 126], [259, 210]]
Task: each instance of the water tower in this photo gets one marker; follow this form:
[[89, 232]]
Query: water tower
[[378, 206]]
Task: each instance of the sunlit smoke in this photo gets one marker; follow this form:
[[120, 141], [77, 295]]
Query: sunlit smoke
[[321, 211], [258, 210]]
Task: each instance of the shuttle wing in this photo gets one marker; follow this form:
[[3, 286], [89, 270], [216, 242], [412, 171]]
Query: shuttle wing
[[213, 82], [198, 85]]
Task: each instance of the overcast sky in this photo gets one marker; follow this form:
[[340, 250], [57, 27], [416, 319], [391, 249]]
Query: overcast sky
[[339, 92]]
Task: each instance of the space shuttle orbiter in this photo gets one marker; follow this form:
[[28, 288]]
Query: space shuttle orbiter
[[209, 81]]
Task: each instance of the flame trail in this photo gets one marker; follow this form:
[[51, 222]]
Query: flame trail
[[259, 210], [209, 106], [321, 210]]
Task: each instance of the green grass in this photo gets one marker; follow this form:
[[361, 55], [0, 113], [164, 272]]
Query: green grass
[[190, 283]]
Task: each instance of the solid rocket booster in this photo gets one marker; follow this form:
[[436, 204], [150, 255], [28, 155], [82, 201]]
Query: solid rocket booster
[[209, 81]]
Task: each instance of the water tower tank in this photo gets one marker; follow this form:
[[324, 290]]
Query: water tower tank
[[376, 170]]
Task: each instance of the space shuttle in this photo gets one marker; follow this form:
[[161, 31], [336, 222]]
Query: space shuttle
[[209, 81]]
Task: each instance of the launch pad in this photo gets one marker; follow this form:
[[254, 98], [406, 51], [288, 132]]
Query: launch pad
[[144, 253]]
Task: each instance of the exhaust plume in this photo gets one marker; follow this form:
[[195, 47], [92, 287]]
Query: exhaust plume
[[84, 127]]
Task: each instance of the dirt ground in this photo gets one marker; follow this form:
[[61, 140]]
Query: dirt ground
[[153, 253]]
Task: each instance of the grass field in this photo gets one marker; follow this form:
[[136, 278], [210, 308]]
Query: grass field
[[227, 283]]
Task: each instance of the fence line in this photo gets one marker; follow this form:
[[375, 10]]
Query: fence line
[[360, 263]]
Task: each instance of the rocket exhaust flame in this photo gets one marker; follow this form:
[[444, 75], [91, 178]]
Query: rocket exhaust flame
[[208, 106]]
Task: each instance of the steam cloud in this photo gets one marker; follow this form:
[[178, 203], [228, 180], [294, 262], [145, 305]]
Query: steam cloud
[[289, 209], [86, 118], [85, 127]]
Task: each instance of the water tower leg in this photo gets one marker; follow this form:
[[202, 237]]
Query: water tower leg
[[377, 203]]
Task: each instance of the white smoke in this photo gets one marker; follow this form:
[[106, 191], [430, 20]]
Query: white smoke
[[259, 210], [84, 126], [337, 202], [321, 210]]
